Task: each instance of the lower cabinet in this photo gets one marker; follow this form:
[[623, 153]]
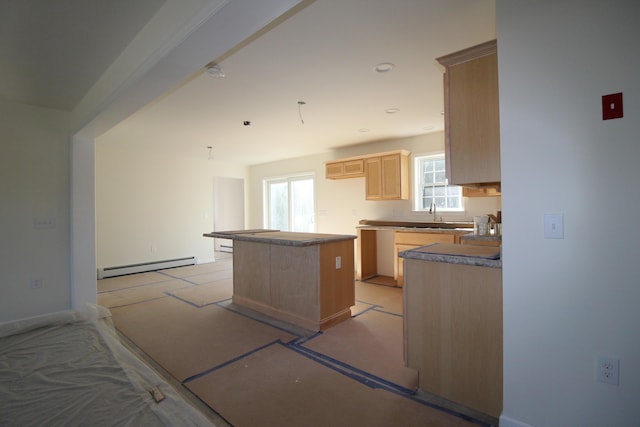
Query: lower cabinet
[[481, 242], [301, 285], [403, 241], [367, 252], [453, 332]]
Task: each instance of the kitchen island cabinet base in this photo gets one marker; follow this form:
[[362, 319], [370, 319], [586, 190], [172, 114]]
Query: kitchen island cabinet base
[[290, 318], [309, 286]]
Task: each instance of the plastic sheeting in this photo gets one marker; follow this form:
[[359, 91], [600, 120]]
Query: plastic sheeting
[[70, 369]]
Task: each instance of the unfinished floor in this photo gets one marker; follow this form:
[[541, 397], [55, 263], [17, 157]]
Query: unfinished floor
[[253, 371]]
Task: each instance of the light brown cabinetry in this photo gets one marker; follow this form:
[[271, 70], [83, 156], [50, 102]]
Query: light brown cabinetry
[[367, 251], [387, 177], [481, 242], [345, 169], [301, 285], [472, 131], [453, 332], [405, 240], [484, 191], [386, 174]]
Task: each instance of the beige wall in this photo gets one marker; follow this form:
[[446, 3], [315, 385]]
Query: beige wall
[[154, 205], [567, 301], [34, 183]]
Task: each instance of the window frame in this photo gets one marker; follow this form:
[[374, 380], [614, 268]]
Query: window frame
[[288, 179], [418, 185]]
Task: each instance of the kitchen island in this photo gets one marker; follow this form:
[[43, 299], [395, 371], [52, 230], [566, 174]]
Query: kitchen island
[[306, 279], [453, 324]]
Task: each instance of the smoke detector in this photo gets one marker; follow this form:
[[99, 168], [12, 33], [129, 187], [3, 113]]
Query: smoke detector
[[215, 70]]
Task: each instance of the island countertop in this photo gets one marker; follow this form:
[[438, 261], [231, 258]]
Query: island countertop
[[481, 256], [286, 238]]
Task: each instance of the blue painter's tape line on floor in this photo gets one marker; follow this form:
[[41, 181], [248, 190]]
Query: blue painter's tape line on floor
[[301, 341], [374, 381], [371, 379], [228, 362], [265, 320], [216, 302], [373, 307], [183, 300], [135, 303], [386, 312], [173, 277]]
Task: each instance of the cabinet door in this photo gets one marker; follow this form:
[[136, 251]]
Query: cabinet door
[[387, 177], [353, 168], [474, 135], [391, 182], [344, 169], [334, 170], [373, 174]]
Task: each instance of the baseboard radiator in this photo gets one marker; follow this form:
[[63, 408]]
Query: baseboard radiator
[[144, 266]]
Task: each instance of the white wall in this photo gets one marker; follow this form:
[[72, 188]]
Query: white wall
[[34, 183], [341, 204], [154, 205], [567, 301]]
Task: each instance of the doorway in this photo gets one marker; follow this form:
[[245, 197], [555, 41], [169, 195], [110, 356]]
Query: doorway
[[228, 209]]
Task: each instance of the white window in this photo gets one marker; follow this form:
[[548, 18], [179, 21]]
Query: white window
[[430, 186], [289, 203]]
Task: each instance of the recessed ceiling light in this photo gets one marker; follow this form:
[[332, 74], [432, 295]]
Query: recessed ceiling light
[[428, 128], [363, 130], [392, 110], [384, 67]]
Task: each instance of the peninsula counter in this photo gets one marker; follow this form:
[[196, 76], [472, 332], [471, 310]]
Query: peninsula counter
[[453, 324]]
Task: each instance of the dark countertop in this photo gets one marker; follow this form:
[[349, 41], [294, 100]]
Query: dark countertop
[[472, 236], [286, 238], [449, 230], [481, 256], [417, 224]]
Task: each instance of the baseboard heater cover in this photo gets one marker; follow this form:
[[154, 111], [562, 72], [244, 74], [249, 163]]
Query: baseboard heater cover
[[226, 248], [144, 266]]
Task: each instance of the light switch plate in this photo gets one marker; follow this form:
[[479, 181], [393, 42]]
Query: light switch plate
[[612, 106], [553, 226]]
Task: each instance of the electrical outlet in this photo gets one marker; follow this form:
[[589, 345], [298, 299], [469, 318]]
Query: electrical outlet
[[35, 283], [44, 223], [608, 370], [338, 262]]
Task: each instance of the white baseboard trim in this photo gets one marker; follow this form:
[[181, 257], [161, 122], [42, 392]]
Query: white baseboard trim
[[510, 422], [105, 272]]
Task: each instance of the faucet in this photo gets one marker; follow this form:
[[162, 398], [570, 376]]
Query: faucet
[[432, 210]]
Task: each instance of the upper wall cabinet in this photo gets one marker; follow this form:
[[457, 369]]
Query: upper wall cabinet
[[386, 174], [472, 130], [387, 177], [341, 169]]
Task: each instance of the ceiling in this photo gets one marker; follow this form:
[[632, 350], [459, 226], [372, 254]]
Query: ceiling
[[53, 51], [323, 56]]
